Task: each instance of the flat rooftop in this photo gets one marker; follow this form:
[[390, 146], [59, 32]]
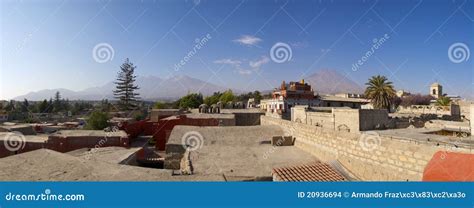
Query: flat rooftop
[[427, 135], [204, 115], [239, 153], [116, 155], [343, 99], [90, 133], [38, 138], [210, 115], [246, 110], [49, 165]]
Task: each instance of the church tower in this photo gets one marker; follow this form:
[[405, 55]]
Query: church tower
[[436, 90]]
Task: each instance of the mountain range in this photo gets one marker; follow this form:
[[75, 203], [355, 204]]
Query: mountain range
[[153, 88]]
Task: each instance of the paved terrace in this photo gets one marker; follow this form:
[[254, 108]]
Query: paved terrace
[[426, 135], [49, 165], [238, 153]]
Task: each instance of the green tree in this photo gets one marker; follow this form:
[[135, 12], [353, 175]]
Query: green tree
[[192, 100], [43, 106], [57, 104], [97, 121], [10, 106], [50, 105], [227, 96], [380, 91], [66, 105], [105, 105], [213, 99], [25, 105], [125, 86], [257, 96], [159, 105], [443, 101]]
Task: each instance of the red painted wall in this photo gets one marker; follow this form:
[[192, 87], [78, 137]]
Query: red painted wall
[[161, 130]]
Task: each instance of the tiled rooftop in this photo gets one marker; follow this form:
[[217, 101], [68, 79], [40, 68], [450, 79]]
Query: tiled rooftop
[[316, 171]]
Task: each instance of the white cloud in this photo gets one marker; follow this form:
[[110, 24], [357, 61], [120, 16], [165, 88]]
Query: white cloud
[[248, 40], [252, 67], [258, 63], [245, 71], [303, 44], [228, 61]]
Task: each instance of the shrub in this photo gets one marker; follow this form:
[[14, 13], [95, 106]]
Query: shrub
[[97, 121]]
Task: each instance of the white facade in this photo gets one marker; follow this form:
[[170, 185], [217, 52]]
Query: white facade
[[281, 105]]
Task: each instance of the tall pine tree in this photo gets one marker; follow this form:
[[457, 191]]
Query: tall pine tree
[[125, 87]]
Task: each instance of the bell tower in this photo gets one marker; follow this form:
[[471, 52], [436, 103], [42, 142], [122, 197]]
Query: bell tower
[[436, 90]]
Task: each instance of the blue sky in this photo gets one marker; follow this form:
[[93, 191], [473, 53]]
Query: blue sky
[[49, 44]]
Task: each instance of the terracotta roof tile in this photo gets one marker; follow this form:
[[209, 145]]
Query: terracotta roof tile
[[316, 171]]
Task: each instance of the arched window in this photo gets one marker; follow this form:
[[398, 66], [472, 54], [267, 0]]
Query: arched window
[[434, 91]]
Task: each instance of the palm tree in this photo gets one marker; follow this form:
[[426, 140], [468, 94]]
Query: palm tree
[[380, 91], [443, 101]]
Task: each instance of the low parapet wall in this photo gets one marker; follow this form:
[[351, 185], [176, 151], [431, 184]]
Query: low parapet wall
[[453, 110], [367, 157]]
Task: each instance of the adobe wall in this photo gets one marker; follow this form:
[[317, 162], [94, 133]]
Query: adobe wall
[[391, 160], [369, 119], [28, 146], [70, 143], [247, 118], [341, 119], [346, 119], [431, 109]]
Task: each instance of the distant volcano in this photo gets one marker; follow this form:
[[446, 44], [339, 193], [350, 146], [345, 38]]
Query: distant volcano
[[327, 81]]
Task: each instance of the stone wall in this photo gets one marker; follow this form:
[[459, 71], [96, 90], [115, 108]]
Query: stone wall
[[341, 119], [453, 110], [369, 119], [346, 120], [247, 119], [388, 159]]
